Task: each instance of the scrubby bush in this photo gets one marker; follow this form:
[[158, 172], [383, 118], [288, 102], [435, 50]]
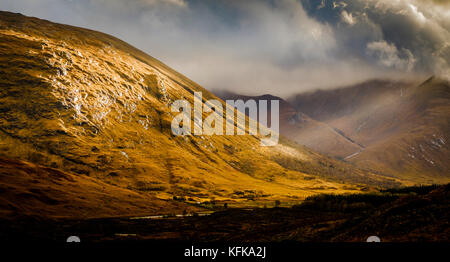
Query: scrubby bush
[[420, 190], [277, 203]]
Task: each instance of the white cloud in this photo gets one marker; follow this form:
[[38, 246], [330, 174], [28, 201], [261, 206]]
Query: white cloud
[[389, 56], [417, 14], [179, 3], [322, 5], [339, 4], [348, 18]]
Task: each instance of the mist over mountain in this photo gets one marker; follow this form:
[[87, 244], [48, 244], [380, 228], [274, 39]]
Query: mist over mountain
[[301, 128], [396, 127], [402, 127], [270, 47]]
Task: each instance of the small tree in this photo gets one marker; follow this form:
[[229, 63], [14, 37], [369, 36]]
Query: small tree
[[277, 203]]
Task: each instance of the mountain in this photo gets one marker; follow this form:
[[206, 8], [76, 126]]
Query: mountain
[[299, 127], [403, 127], [86, 107]]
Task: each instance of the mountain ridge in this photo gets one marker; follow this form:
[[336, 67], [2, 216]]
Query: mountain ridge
[[90, 105], [366, 123], [401, 116], [301, 128]]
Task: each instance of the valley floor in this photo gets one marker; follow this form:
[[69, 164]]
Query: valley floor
[[413, 214]]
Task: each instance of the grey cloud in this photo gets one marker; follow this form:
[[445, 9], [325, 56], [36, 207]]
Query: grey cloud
[[405, 35], [279, 47]]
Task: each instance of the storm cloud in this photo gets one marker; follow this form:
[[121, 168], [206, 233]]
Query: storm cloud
[[278, 47]]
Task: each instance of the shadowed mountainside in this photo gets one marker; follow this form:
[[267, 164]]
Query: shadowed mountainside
[[301, 128], [403, 127], [396, 128]]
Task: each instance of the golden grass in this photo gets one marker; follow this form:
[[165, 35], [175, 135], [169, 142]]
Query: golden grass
[[96, 108]]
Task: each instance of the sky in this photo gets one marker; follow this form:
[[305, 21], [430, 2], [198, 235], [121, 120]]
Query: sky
[[278, 47]]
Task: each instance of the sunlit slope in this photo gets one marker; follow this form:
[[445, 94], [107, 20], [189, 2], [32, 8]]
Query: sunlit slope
[[89, 104], [29, 189], [403, 127]]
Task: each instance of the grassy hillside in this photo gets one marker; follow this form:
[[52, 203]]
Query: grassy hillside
[[93, 107], [28, 189]]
